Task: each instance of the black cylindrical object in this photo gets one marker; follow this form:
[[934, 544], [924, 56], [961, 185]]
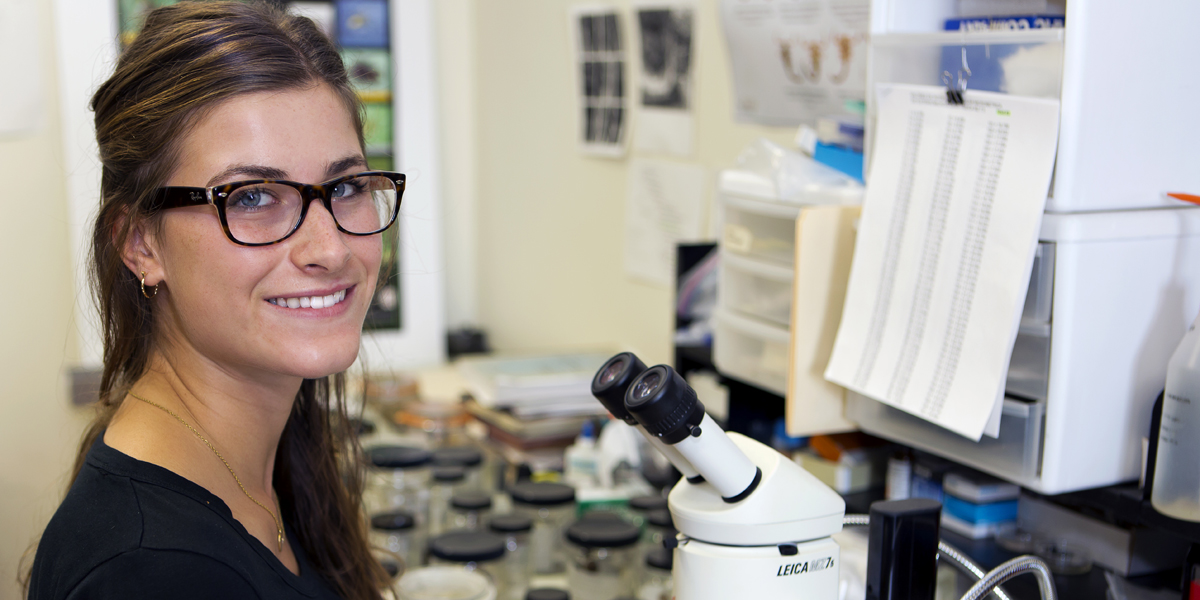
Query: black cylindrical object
[[611, 381], [664, 404], [902, 555]]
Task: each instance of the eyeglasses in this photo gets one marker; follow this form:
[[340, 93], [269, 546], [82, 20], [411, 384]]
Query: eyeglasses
[[261, 212]]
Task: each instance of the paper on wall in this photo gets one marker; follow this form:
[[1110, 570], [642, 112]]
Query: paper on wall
[[824, 251], [944, 251], [665, 207], [599, 46], [796, 61], [666, 33]]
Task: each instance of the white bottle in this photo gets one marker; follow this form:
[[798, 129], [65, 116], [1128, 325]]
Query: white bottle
[[1176, 490], [581, 460]]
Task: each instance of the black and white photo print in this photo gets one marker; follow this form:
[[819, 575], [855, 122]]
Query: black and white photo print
[[666, 37], [601, 76]]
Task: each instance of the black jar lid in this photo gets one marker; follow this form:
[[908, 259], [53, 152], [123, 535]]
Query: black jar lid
[[660, 558], [467, 546], [542, 494], [660, 518], [510, 523], [449, 473], [398, 520], [603, 532], [465, 456], [398, 457], [547, 594], [644, 503], [468, 500]]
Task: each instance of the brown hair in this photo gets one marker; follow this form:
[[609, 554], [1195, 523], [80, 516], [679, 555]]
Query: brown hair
[[188, 58]]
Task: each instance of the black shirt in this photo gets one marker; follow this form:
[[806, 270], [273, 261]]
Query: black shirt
[[130, 529]]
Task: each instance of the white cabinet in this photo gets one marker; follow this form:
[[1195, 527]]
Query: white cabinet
[[1116, 281]]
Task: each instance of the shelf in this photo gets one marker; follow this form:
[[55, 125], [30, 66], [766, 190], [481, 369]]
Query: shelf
[[968, 38]]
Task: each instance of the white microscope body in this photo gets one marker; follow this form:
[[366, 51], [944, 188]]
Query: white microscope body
[[775, 543], [752, 523]]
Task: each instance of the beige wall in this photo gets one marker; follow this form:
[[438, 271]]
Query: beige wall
[[38, 431], [549, 220]]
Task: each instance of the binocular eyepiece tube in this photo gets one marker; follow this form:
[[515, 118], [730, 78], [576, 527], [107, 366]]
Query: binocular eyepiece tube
[[609, 387], [673, 419]]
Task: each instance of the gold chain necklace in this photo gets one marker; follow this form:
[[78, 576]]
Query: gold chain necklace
[[278, 523]]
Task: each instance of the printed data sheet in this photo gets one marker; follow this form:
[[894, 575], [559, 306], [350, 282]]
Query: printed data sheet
[[944, 250]]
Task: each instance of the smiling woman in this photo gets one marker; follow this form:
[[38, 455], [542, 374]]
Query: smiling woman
[[232, 297]]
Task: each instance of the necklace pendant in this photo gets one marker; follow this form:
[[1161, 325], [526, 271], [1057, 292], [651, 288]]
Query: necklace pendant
[[281, 541]]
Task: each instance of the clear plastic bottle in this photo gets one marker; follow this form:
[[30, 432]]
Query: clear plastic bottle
[[581, 460], [1176, 490]]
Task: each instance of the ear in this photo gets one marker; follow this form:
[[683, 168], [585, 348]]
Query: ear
[[140, 252]]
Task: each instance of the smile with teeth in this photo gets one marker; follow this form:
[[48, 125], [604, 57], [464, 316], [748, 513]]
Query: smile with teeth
[[310, 301]]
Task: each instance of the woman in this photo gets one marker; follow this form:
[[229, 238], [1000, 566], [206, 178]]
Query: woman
[[230, 305]]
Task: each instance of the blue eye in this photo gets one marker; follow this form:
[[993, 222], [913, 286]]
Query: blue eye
[[250, 198], [347, 189]]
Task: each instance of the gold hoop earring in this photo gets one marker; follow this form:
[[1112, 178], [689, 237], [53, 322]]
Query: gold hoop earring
[[148, 296]]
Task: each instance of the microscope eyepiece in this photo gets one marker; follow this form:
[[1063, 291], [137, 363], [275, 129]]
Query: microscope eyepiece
[[664, 404], [613, 379]]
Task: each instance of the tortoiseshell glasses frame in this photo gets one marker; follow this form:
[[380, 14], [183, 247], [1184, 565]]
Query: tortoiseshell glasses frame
[[361, 204]]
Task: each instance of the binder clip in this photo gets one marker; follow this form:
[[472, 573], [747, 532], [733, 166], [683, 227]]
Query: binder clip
[[955, 87]]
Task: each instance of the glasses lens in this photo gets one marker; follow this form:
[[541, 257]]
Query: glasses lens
[[365, 204], [261, 213]]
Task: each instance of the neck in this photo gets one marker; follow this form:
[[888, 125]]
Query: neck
[[243, 417]]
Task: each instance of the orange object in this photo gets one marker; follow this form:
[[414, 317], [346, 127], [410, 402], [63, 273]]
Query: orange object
[[831, 446], [1185, 197]]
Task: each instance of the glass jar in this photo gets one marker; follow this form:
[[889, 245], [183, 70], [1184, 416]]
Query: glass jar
[[515, 530], [640, 505], [447, 479], [603, 558], [396, 532], [478, 551], [469, 510], [398, 478], [659, 527], [551, 506], [656, 581], [467, 457], [442, 424], [445, 582]]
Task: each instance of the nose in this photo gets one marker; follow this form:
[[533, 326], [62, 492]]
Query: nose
[[318, 245]]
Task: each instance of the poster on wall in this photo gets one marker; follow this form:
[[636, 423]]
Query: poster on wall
[[664, 95], [665, 206], [597, 39], [794, 62]]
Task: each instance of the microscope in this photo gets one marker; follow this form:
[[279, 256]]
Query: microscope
[[753, 523]]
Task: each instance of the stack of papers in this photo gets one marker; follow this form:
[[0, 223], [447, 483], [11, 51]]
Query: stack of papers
[[536, 386]]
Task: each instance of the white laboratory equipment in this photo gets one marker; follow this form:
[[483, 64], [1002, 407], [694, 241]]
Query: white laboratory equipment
[[1109, 298], [759, 526], [1113, 286]]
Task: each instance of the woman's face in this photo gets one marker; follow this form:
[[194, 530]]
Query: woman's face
[[228, 302]]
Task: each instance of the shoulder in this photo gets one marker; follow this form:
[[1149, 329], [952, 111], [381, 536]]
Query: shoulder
[[149, 573], [118, 511]]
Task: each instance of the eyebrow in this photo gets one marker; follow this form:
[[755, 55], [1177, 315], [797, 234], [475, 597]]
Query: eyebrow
[[340, 166], [334, 169]]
